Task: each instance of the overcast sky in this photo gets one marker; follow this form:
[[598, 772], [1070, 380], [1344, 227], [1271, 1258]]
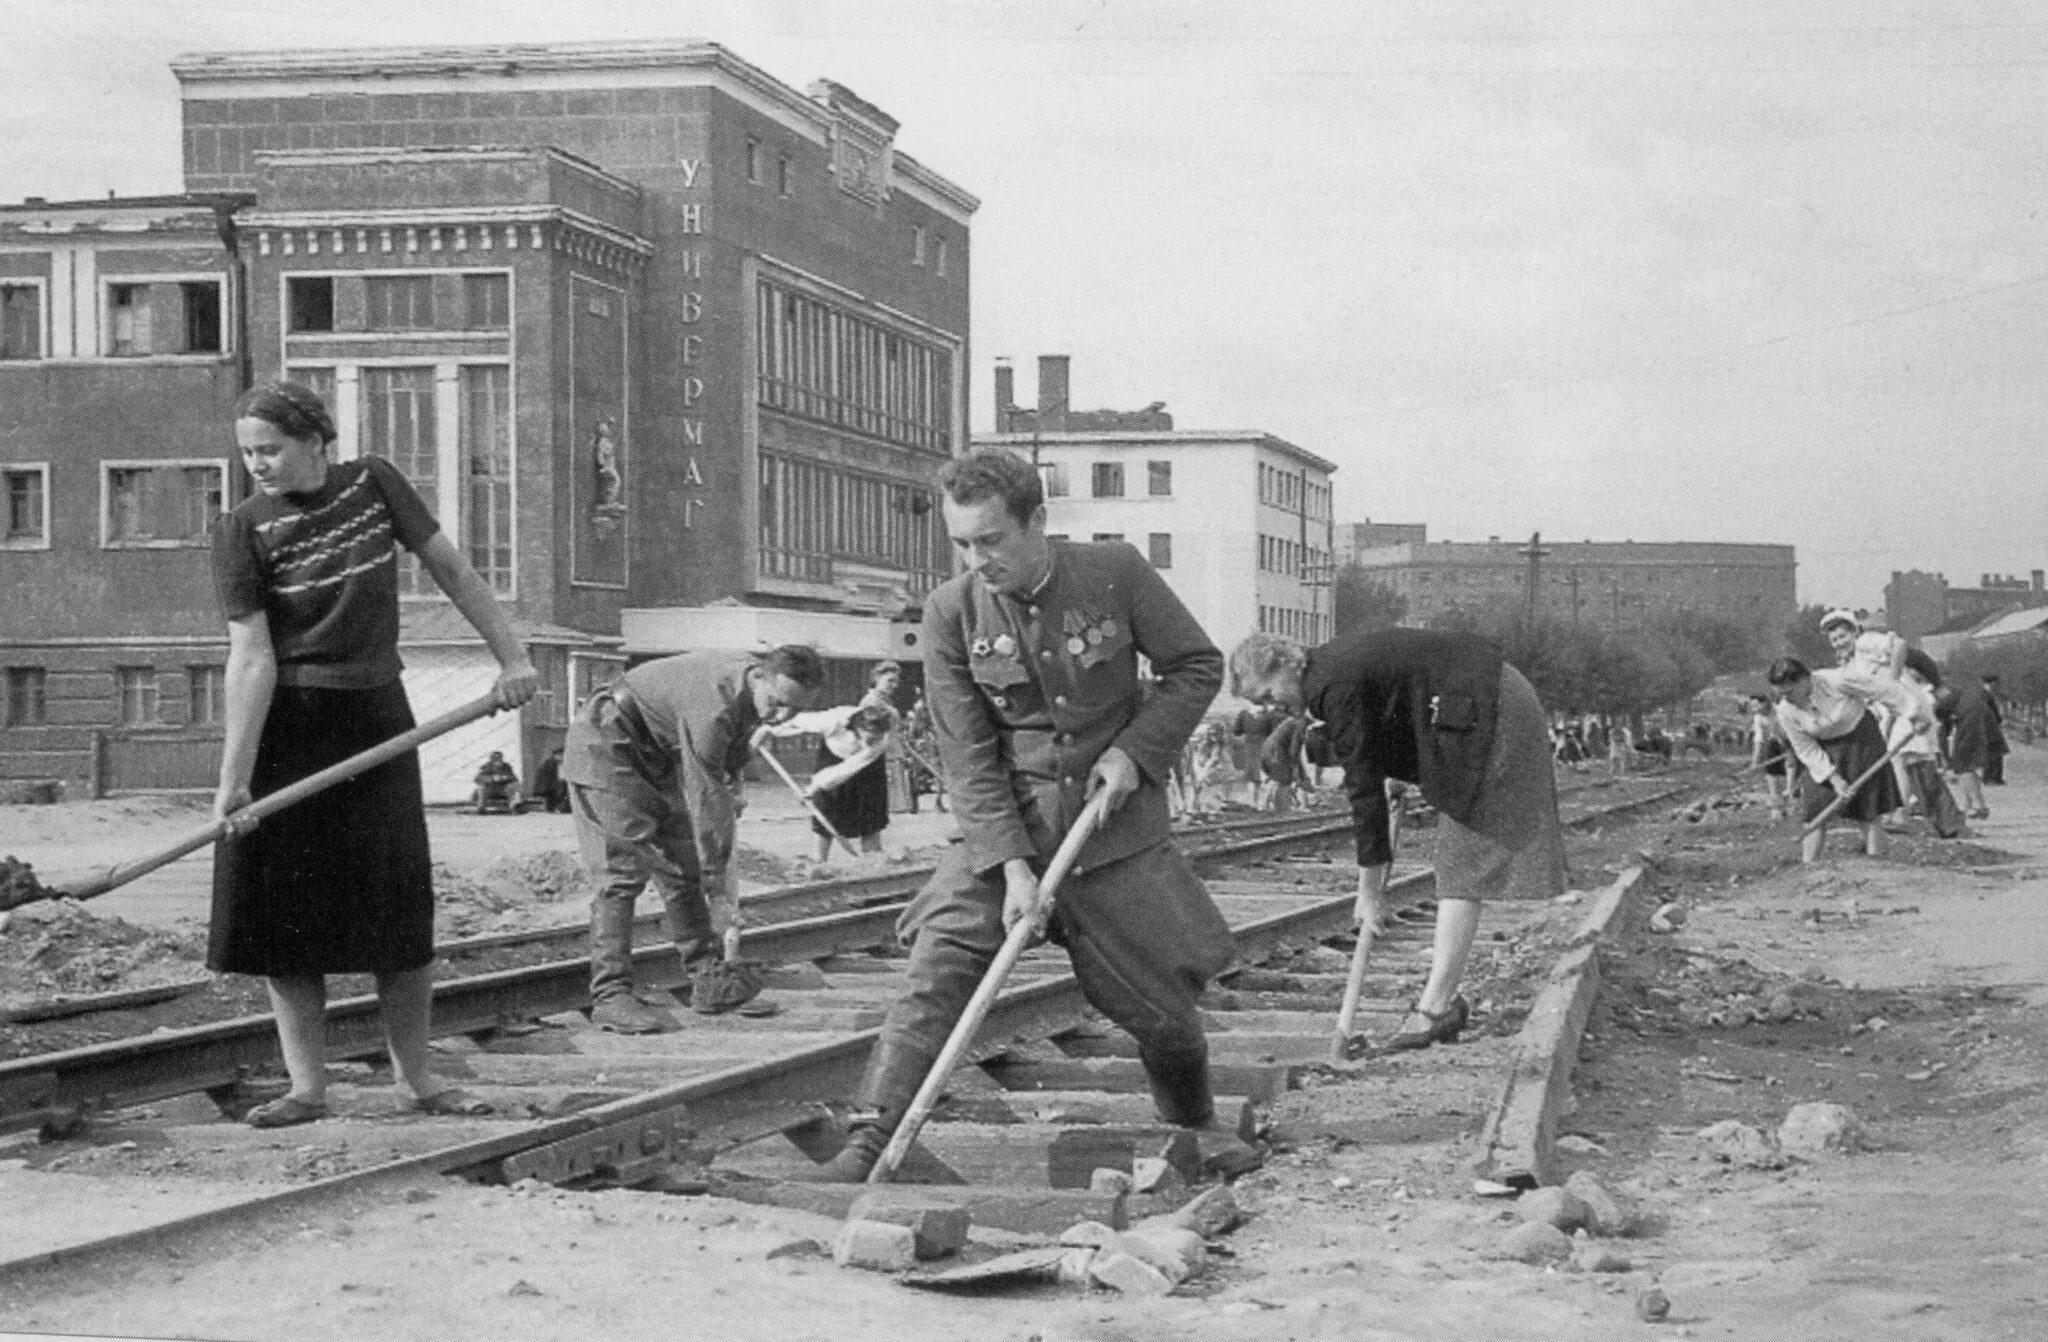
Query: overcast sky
[[1650, 270]]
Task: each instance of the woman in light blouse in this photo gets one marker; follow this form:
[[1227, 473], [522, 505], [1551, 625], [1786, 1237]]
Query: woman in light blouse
[[1826, 719]]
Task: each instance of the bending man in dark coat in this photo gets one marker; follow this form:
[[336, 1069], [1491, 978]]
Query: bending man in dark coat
[[1446, 711], [1031, 671]]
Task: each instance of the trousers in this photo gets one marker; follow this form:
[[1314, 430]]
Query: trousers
[[1142, 934], [632, 837]]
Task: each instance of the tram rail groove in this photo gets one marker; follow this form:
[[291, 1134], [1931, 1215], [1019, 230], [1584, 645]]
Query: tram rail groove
[[714, 1111]]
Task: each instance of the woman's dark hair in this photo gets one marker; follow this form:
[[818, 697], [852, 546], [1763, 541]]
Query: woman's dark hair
[[293, 407], [799, 663], [1786, 670], [873, 718], [994, 474]]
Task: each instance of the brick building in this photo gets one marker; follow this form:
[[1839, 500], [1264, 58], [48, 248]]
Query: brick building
[[1237, 521], [1917, 604], [1620, 586], [1353, 537], [671, 348]]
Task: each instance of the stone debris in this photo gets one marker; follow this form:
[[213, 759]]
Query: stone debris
[[1577, 1145], [876, 1246], [1150, 1174], [1487, 1188], [1212, 1214], [936, 1228], [1106, 1180], [799, 1248], [1088, 1235], [1557, 1207], [1595, 1257], [1739, 1144], [1652, 1305], [1537, 1243], [1127, 1273], [1668, 918], [1177, 1254], [1817, 1128], [1606, 1214]]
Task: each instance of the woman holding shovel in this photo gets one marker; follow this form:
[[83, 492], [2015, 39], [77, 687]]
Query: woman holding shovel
[[1444, 711], [307, 574], [1826, 718]]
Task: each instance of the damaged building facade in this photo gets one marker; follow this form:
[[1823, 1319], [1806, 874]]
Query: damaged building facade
[[672, 349]]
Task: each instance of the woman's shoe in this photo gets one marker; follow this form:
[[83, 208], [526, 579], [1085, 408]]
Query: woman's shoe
[[1444, 1027]]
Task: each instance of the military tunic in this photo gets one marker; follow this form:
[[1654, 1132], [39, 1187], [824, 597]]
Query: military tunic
[[1025, 695]]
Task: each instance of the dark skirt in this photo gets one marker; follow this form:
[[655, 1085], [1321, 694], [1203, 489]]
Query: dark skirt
[[340, 883], [1513, 845], [858, 807], [1852, 756]]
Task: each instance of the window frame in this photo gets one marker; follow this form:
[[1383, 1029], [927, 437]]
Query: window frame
[[785, 176], [11, 468], [750, 162], [1096, 477], [11, 712], [917, 237], [111, 464], [152, 695], [206, 684], [939, 255], [289, 306], [42, 287], [1153, 470], [108, 282], [1153, 547]]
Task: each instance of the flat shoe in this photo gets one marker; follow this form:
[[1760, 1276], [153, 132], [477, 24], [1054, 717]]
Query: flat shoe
[[453, 1102], [1444, 1027], [284, 1112]]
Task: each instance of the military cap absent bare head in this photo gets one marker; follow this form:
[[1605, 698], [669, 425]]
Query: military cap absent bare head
[[994, 474], [801, 664], [294, 408], [1268, 667]]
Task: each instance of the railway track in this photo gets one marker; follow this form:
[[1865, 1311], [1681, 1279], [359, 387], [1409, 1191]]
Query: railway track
[[577, 1105]]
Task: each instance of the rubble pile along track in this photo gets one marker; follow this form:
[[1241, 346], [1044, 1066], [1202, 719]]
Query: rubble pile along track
[[577, 1105]]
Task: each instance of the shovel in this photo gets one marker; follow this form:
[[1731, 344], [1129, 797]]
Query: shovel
[[1354, 986], [970, 1021], [761, 749], [19, 891]]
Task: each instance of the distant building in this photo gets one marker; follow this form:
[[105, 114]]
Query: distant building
[[1353, 537], [1621, 586], [671, 348], [1918, 604], [1236, 521]]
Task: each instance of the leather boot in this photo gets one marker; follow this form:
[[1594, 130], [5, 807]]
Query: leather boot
[[1179, 1079], [612, 1004], [895, 1071]]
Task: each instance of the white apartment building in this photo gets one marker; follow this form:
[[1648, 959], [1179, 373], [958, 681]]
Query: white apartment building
[[1237, 521]]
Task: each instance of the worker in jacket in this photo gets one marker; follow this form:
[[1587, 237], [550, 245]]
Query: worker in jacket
[[1031, 672]]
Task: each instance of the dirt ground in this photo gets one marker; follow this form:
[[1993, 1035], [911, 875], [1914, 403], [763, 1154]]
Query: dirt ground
[[1910, 989]]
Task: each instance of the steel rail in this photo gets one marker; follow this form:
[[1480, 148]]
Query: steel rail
[[736, 1104]]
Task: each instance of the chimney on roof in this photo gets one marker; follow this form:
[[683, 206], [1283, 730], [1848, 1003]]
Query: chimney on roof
[[35, 200], [1006, 393], [1052, 392], [2037, 575]]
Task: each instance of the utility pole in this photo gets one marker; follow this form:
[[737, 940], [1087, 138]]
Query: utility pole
[[1535, 552]]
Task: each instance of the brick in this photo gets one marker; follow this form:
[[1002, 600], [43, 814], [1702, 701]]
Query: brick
[[1178, 1254], [875, 1246], [1123, 1272], [936, 1228]]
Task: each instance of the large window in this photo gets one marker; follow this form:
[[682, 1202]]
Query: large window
[[813, 513], [487, 472], [1159, 479], [168, 316], [398, 425], [399, 302], [21, 321], [24, 696], [1107, 480], [1053, 476], [160, 504], [207, 704], [137, 690], [309, 303], [487, 302], [25, 507], [823, 363]]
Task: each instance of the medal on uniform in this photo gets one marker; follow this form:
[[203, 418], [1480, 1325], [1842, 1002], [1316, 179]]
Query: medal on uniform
[[1076, 646]]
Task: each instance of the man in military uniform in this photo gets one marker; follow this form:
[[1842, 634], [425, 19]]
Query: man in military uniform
[[1031, 671], [653, 766]]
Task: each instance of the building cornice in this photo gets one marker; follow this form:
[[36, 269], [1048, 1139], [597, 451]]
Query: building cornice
[[218, 75], [482, 228]]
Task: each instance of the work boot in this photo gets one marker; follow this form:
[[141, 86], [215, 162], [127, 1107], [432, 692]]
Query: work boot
[[718, 986], [1179, 1080], [623, 1013], [894, 1073], [865, 1142]]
